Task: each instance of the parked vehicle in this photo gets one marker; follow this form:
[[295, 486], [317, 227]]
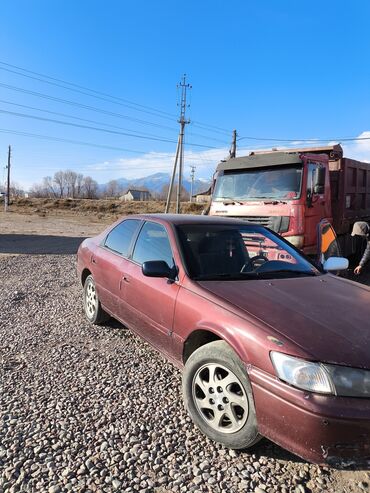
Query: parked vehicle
[[270, 344], [292, 191]]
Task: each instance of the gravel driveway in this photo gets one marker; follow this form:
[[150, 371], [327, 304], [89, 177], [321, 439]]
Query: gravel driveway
[[87, 409]]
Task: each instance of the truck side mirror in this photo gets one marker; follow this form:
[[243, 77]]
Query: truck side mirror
[[319, 180]]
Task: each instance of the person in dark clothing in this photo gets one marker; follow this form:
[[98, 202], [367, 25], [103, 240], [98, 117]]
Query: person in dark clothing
[[362, 229]]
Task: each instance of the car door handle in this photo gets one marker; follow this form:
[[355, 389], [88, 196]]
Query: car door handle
[[93, 260], [124, 279]]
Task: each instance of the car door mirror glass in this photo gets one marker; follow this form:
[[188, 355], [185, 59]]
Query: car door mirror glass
[[334, 264]]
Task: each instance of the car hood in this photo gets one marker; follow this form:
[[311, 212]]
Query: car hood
[[326, 316]]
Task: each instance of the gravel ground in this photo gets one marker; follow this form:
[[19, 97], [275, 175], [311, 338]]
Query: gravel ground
[[94, 409]]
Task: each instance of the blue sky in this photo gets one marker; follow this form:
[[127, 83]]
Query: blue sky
[[287, 69]]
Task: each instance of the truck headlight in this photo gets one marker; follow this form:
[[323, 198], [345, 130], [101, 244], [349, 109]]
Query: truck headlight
[[302, 374], [321, 378], [296, 240]]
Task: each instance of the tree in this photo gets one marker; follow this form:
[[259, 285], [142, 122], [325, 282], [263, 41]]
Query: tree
[[79, 184], [112, 189], [70, 178], [184, 196], [90, 187], [60, 182], [48, 186], [15, 190]]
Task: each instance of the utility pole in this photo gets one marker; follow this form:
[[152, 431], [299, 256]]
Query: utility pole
[[192, 173], [180, 147], [232, 152], [7, 198]]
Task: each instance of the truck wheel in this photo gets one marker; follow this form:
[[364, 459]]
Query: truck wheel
[[92, 307], [218, 395]]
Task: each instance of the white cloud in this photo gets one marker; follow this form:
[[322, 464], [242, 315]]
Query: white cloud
[[359, 149]]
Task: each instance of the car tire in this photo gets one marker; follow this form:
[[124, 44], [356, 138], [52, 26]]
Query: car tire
[[218, 396], [92, 306]]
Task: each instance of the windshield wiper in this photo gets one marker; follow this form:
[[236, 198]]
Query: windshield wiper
[[230, 201]]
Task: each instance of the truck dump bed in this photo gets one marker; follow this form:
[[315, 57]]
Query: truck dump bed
[[350, 193]]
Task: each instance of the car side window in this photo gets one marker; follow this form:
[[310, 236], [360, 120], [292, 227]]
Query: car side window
[[153, 244], [120, 238]]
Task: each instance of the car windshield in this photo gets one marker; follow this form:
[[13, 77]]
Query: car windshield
[[278, 183], [239, 252]]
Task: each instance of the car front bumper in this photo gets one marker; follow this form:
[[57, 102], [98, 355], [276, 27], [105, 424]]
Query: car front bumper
[[318, 428]]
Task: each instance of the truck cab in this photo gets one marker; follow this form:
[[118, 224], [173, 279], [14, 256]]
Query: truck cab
[[287, 191]]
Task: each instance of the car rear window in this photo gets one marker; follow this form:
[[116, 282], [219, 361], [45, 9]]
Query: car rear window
[[120, 238]]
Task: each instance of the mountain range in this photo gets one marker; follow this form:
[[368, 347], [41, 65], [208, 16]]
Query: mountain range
[[155, 183]]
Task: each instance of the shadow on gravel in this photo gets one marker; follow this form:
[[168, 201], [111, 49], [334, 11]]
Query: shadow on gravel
[[39, 244], [269, 449]]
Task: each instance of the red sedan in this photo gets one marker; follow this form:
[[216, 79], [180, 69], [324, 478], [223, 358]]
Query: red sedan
[[270, 344]]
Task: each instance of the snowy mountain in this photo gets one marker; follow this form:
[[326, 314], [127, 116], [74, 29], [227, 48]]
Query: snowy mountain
[[155, 183]]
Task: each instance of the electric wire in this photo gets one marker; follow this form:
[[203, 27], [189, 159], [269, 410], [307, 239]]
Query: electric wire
[[98, 94], [342, 139], [66, 115], [91, 108], [83, 106], [57, 113], [137, 136]]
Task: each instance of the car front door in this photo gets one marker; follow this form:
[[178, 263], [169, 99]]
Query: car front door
[[150, 300]]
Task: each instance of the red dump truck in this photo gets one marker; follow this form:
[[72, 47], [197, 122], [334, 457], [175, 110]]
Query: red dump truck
[[291, 191]]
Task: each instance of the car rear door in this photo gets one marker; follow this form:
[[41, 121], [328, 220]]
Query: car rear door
[[149, 300], [110, 264]]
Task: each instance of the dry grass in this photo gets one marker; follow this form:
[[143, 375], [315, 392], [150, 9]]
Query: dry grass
[[100, 208]]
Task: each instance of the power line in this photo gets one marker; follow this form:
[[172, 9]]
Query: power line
[[95, 94], [52, 120], [98, 94], [344, 139], [114, 132], [80, 105], [57, 139], [212, 128], [66, 115]]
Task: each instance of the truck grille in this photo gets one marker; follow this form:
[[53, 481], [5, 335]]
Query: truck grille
[[279, 224]]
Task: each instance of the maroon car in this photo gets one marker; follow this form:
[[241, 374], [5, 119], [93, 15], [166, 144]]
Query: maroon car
[[271, 345]]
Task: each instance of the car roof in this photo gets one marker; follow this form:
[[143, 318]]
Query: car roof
[[177, 219]]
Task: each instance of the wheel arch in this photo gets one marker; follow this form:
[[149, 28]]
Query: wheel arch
[[84, 274], [204, 335]]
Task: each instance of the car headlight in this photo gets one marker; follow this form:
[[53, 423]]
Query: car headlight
[[302, 374], [322, 378]]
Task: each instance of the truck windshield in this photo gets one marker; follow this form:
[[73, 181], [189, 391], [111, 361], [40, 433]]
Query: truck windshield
[[277, 182]]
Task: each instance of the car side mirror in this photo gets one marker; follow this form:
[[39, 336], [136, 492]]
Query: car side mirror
[[319, 181], [334, 264], [158, 268]]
